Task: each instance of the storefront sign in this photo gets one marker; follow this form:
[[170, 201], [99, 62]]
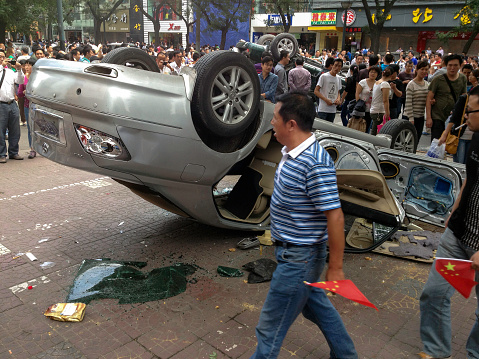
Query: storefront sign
[[350, 19], [418, 13], [373, 17], [275, 20], [323, 17], [173, 27], [353, 29], [117, 22], [136, 20], [465, 20]]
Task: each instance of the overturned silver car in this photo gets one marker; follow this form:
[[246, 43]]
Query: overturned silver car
[[173, 139]]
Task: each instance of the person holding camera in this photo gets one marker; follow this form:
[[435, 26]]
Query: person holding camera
[[9, 113]]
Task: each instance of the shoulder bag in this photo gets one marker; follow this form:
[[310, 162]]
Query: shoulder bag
[[452, 141]]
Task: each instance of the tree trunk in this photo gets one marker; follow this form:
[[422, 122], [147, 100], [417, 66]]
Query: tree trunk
[[375, 34], [2, 31], [198, 30], [156, 26], [468, 44], [97, 29], [223, 38]]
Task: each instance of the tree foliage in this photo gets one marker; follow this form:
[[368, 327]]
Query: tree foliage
[[101, 10], [224, 15], [376, 19], [29, 16], [469, 22]]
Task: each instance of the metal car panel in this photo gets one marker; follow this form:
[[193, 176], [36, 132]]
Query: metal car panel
[[426, 187]]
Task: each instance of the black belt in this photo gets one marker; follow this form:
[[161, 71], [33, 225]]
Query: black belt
[[7, 103], [288, 244]]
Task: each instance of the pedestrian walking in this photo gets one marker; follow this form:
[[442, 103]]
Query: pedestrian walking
[[416, 97], [327, 90], [305, 191], [459, 241]]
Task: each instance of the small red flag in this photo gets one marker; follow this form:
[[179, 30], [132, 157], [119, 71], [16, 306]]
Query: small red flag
[[459, 274], [345, 288]]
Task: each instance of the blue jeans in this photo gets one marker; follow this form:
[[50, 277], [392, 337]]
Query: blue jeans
[[27, 116], [462, 150], [289, 296], [345, 113], [435, 304], [9, 120], [326, 116]]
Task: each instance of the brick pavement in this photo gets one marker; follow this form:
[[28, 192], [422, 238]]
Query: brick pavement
[[64, 215]]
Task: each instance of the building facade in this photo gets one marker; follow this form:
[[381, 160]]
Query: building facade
[[172, 28], [319, 24]]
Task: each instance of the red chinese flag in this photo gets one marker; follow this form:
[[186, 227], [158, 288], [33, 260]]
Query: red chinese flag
[[345, 288], [458, 273]]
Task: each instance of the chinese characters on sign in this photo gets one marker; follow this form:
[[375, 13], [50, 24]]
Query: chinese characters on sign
[[417, 15], [353, 29], [323, 17], [373, 17], [464, 16]]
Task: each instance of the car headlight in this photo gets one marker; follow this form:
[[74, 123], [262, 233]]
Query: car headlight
[[101, 144]]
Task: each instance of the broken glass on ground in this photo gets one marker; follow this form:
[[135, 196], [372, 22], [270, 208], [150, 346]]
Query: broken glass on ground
[[229, 272], [123, 280]]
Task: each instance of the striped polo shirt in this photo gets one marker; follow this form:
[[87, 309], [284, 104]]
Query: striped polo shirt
[[304, 187]]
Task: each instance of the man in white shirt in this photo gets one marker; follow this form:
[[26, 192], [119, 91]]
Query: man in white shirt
[[9, 114], [177, 64], [160, 61], [327, 90]]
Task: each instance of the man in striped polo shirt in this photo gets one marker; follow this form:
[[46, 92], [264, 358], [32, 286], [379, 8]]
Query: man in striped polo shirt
[[305, 214]]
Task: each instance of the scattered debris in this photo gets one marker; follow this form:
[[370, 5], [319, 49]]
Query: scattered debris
[[46, 265], [229, 272], [260, 270], [121, 223], [368, 258], [43, 240], [30, 287], [31, 256], [247, 243], [232, 249], [66, 312]]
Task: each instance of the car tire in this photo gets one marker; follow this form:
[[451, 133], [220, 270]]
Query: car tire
[[403, 133], [284, 41], [265, 39], [227, 94], [131, 57]]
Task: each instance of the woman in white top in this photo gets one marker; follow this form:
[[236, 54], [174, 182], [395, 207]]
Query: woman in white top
[[380, 101], [364, 91], [416, 95]]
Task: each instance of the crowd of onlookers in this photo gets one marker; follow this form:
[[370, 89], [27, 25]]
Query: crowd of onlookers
[[422, 88], [376, 88]]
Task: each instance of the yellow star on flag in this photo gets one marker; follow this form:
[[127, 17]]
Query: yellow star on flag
[[450, 266]]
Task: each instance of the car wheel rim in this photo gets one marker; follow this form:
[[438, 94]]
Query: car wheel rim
[[286, 44], [232, 95], [405, 141]]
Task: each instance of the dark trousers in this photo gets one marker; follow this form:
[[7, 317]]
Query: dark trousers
[[419, 125], [401, 106], [437, 129], [9, 116]]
